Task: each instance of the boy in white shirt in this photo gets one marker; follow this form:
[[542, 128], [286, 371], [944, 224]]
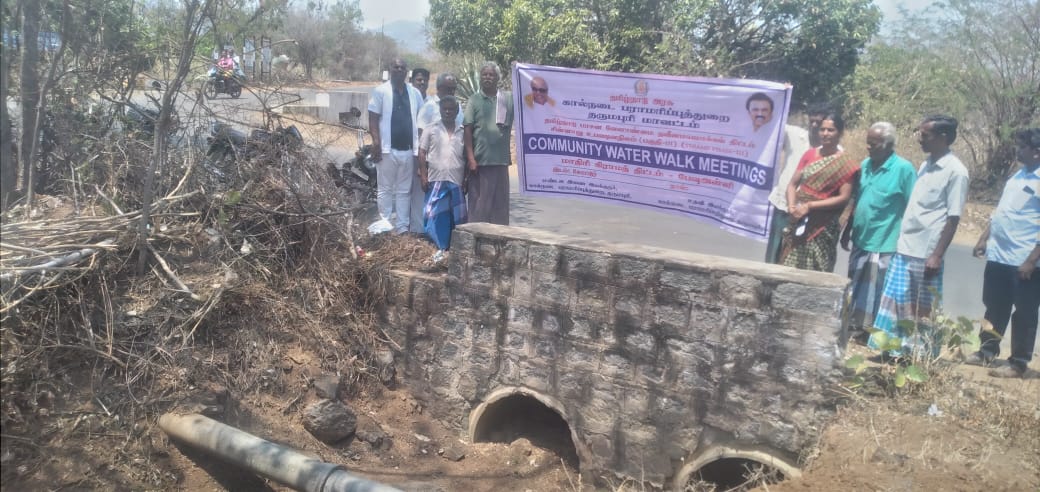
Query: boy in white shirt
[[442, 173]]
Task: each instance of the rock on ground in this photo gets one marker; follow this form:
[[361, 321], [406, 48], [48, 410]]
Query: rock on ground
[[330, 421]]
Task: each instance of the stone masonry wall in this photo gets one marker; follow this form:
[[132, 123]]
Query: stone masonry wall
[[651, 352]]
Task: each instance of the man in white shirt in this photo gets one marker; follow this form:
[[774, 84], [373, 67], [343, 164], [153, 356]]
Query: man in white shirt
[[392, 110], [430, 114]]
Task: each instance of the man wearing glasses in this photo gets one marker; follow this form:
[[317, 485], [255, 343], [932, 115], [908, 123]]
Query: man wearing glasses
[[539, 94]]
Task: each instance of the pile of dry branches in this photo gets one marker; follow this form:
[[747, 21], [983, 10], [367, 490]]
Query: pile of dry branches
[[232, 277], [37, 255]]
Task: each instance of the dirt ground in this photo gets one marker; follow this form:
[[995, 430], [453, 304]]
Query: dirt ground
[[988, 433], [76, 428], [962, 431]]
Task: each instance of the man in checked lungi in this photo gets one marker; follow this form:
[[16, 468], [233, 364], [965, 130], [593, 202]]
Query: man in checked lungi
[[442, 173], [913, 284], [878, 203]]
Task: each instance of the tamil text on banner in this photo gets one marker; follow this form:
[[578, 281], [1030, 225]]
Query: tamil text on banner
[[701, 147]]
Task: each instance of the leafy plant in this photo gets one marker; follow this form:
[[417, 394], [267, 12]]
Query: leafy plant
[[916, 365]]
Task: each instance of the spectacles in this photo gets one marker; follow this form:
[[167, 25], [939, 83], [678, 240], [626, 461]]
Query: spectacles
[[543, 90]]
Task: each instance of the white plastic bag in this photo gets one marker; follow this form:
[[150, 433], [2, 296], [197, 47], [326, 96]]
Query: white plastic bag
[[380, 226]]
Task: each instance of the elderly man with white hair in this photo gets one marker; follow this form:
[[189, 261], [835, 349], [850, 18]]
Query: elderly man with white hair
[[878, 203], [488, 122]]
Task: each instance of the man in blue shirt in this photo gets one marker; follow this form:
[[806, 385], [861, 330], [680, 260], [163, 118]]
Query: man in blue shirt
[[883, 191], [1011, 245]]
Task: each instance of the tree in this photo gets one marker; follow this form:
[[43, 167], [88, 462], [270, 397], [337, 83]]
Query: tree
[[331, 38], [897, 84], [8, 159], [193, 18], [994, 48], [309, 28], [30, 88], [70, 52], [814, 44], [974, 59]]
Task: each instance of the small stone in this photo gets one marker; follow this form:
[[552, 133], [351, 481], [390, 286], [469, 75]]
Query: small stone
[[883, 456], [368, 430], [454, 453], [422, 438], [329, 421], [327, 386]]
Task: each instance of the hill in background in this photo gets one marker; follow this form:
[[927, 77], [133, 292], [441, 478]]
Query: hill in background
[[410, 35]]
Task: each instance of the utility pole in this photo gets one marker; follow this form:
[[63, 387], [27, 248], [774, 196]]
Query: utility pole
[[382, 43]]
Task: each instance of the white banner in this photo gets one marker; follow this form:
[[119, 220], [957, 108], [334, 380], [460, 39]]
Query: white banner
[[700, 147]]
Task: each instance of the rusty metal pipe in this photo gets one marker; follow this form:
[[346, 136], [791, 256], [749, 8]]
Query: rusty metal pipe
[[280, 463]]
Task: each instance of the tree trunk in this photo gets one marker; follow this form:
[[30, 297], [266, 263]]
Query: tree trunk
[[8, 160], [30, 88], [196, 13]]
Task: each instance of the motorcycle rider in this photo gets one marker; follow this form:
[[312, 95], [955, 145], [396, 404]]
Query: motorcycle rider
[[225, 63], [222, 75]]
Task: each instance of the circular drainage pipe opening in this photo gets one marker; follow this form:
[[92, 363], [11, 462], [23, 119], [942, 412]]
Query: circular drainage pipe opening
[[521, 416], [732, 474]]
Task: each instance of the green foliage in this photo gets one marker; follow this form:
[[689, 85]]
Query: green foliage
[[958, 335], [814, 44], [556, 32], [974, 59], [899, 85], [330, 38]]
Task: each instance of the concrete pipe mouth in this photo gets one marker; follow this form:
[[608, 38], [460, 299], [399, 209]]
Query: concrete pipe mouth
[[512, 413], [733, 468]]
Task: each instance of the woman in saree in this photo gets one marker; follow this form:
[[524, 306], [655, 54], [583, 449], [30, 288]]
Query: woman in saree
[[818, 193]]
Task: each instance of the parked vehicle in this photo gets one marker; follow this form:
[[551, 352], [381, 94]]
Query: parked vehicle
[[360, 169], [228, 148], [142, 119]]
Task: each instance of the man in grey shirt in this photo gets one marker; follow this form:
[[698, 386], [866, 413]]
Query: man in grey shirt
[[913, 284]]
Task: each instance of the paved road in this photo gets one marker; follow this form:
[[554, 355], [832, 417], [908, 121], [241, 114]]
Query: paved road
[[608, 222]]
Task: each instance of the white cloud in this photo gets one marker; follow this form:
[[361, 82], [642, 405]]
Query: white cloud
[[376, 12]]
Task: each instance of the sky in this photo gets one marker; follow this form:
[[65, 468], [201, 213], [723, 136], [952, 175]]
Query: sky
[[378, 11]]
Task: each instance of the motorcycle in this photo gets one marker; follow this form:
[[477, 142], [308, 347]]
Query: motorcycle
[[142, 119], [227, 147], [361, 169], [222, 82]]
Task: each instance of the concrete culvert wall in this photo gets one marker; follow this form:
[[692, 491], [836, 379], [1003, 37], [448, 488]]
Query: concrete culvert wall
[[643, 352], [735, 474], [729, 468], [512, 414]]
